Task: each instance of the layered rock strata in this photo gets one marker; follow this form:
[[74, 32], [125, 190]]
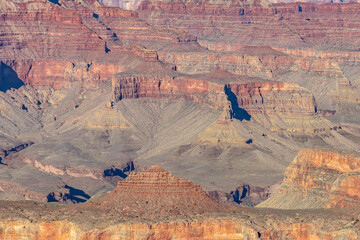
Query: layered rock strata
[[155, 193], [319, 178], [317, 55], [100, 41], [298, 24]]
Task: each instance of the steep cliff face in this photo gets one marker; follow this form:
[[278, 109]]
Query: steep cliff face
[[306, 231], [259, 23], [320, 179], [62, 73], [166, 86], [41, 57], [240, 22]]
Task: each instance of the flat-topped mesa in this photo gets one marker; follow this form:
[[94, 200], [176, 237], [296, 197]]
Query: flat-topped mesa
[[156, 193], [287, 105], [256, 97], [132, 85], [319, 178]]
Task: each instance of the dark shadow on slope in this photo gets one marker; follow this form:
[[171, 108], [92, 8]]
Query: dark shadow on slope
[[64, 198], [77, 192], [55, 2], [123, 173], [16, 149], [8, 78], [235, 111], [112, 172], [73, 196], [240, 194]]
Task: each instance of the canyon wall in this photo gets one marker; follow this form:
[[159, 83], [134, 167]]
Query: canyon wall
[[100, 42], [302, 43]]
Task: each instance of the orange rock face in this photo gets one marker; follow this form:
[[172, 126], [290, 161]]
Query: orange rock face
[[217, 230], [41, 231], [304, 231], [197, 230], [328, 178], [345, 191]]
